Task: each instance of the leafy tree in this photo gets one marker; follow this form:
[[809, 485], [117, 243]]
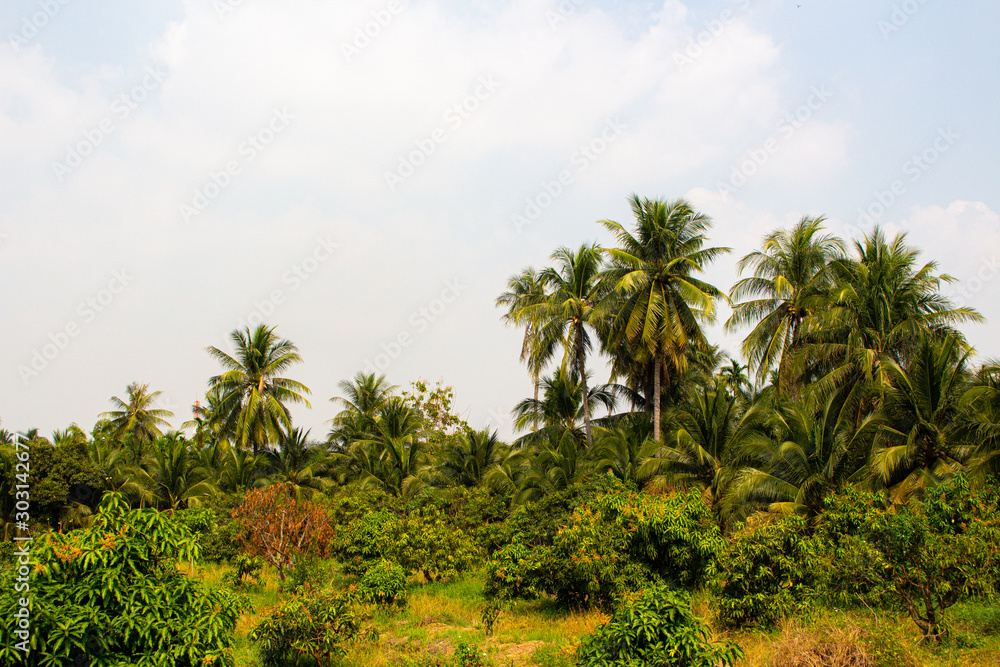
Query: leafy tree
[[253, 396], [92, 591], [661, 302], [281, 529]]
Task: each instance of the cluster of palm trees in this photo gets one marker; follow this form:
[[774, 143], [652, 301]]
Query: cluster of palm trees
[[856, 373], [860, 374]]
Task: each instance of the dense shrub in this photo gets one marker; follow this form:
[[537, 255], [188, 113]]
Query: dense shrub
[[655, 628], [212, 523], [430, 543], [614, 543], [920, 559], [92, 592], [365, 541], [384, 584], [763, 572], [245, 573], [312, 627]]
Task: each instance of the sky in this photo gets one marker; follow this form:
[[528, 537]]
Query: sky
[[365, 176]]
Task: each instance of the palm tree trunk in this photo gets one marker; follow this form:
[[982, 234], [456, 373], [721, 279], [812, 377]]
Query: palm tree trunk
[[580, 357], [536, 402], [656, 397]]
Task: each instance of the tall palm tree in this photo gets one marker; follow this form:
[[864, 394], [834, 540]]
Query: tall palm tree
[[136, 417], [526, 291], [884, 303], [576, 285], [791, 280], [254, 397], [660, 302], [363, 398]]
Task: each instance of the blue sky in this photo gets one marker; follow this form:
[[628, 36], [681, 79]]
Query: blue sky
[[240, 158]]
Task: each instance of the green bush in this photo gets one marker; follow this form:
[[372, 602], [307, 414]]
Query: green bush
[[921, 559], [92, 591], [430, 543], [212, 523], [384, 584], [308, 627], [655, 628], [366, 540], [470, 655], [616, 542], [763, 573]]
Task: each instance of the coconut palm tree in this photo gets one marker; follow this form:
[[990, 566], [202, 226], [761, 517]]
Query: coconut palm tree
[[575, 285], [254, 397], [705, 431], [299, 464], [622, 447], [923, 438], [526, 291], [363, 398], [799, 456], [883, 305], [136, 418], [467, 460], [561, 409], [391, 455], [660, 304], [791, 280], [174, 475]]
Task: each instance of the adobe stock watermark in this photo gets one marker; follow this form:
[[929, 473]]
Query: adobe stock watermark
[[704, 38], [452, 119], [365, 34], [753, 159], [32, 25], [87, 311], [563, 12], [121, 108], [579, 162], [965, 291], [292, 279], [914, 168], [248, 150], [419, 321], [900, 16]]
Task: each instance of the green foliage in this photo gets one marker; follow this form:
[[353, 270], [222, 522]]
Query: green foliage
[[314, 626], [655, 628], [245, 573], [112, 594], [384, 584], [430, 543], [763, 573], [218, 535], [618, 542], [309, 573], [920, 559], [365, 541]]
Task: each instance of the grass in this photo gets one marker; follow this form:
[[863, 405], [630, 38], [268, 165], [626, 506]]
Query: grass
[[440, 615]]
